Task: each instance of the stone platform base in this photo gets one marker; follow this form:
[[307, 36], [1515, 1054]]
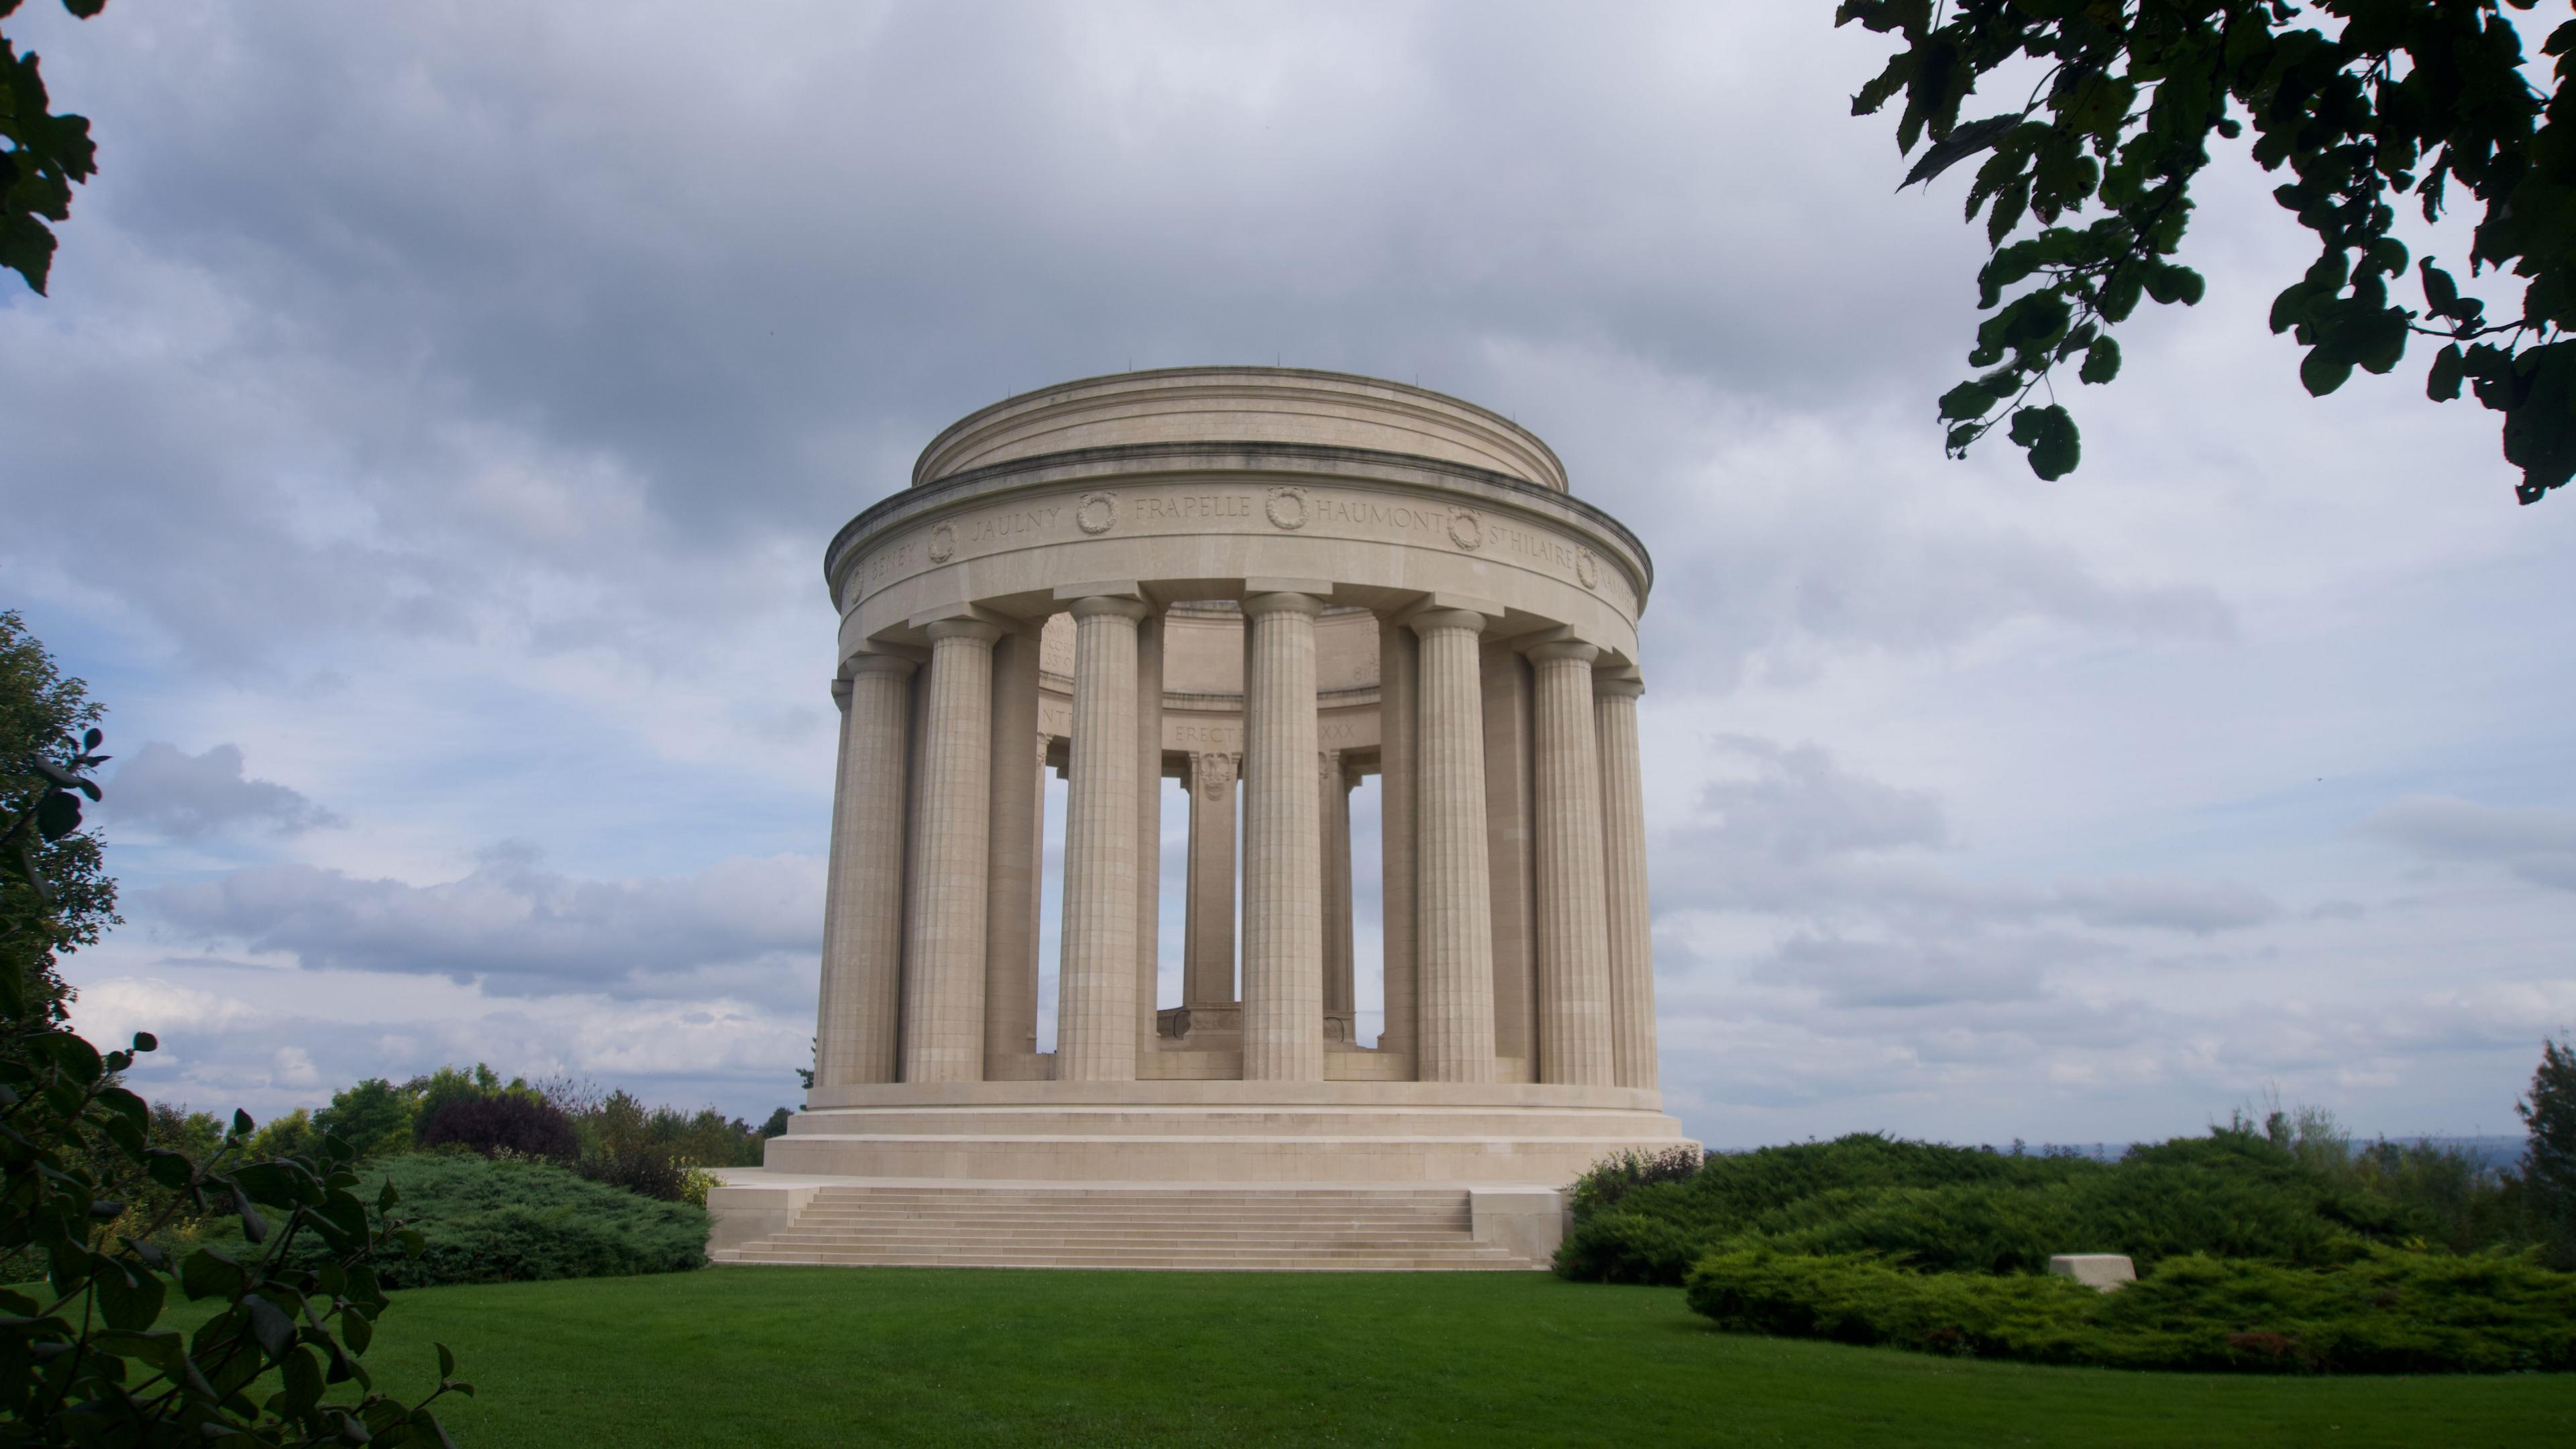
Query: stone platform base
[[1206, 1174], [763, 1217]]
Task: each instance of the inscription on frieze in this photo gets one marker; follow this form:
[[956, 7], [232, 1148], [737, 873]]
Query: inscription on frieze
[[1290, 509]]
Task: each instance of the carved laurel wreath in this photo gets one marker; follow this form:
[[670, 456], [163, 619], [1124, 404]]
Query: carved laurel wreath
[[1098, 513], [1287, 508], [943, 544], [1586, 571], [1465, 531]]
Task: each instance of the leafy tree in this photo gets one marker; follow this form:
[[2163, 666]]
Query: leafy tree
[[292, 1135], [2420, 98], [44, 155], [528, 1126], [433, 1093], [82, 1360], [59, 897], [375, 1117], [2549, 1155]]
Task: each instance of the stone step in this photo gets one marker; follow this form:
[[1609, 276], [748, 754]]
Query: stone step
[[1223, 1262], [1231, 1159], [1267, 1121], [1075, 1191], [1342, 1228], [1227, 1210], [1111, 1241]]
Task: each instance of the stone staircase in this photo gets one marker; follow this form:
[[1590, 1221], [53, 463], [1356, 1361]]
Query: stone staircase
[[1274, 1228]]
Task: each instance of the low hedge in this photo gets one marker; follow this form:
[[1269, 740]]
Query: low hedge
[[508, 1221], [1951, 1209], [2385, 1312]]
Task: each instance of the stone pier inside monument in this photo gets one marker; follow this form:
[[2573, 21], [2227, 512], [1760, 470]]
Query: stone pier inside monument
[[1266, 584]]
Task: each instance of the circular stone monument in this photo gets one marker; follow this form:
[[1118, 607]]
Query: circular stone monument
[[1265, 583]]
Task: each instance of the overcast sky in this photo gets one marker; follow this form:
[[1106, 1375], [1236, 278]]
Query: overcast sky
[[429, 447]]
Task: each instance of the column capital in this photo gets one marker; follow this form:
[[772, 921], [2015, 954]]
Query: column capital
[[1430, 620], [1094, 606], [1213, 770], [841, 695], [1552, 650], [894, 664], [978, 630], [1281, 602], [1616, 686]]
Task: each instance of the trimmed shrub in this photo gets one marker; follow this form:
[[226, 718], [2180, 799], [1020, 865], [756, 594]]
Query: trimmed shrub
[[513, 1221], [2387, 1312], [2238, 1192], [527, 1125], [644, 1171]]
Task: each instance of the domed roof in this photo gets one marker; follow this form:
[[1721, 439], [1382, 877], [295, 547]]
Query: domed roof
[[1212, 405]]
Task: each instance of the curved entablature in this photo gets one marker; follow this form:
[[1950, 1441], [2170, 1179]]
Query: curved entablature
[[1202, 405]]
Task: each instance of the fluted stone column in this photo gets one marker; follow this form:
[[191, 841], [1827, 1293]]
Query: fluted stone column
[[1341, 986], [1399, 662], [1510, 853], [863, 899], [1623, 864], [1207, 971], [1149, 826], [1573, 915], [1283, 962], [1011, 943], [1455, 947], [1096, 995], [943, 996]]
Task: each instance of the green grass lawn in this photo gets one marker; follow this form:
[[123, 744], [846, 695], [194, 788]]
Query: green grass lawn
[[848, 1356]]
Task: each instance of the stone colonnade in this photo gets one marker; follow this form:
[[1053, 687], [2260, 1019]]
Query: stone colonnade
[[930, 937]]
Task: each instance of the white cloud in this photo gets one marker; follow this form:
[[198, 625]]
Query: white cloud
[[2536, 843]]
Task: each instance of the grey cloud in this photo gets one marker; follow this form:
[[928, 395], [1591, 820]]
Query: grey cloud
[[1803, 836], [520, 930], [2199, 907], [513, 266], [2337, 911], [1849, 973], [2535, 843], [1800, 805], [165, 788]]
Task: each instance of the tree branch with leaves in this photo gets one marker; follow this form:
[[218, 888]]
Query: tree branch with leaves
[[2405, 98]]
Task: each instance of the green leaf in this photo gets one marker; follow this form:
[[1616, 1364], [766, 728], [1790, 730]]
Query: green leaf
[[2441, 293], [164, 1350], [446, 1361], [2442, 384], [270, 1325], [206, 1273], [1962, 143], [303, 1378], [254, 1227], [2323, 370], [2169, 284], [2101, 361], [1967, 400], [2049, 436], [129, 1296]]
